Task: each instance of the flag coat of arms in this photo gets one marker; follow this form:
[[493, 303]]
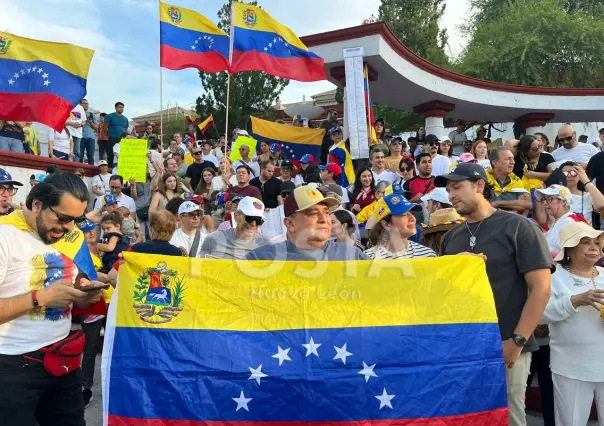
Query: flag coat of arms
[[190, 40], [41, 81], [206, 342], [259, 42]]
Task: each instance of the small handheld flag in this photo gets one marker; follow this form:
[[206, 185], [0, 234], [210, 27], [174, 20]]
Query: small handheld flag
[[190, 40], [262, 43], [207, 124]]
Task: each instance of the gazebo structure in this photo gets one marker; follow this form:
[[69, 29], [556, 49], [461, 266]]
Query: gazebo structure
[[401, 79]]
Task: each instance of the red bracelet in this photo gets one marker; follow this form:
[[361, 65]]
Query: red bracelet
[[34, 299]]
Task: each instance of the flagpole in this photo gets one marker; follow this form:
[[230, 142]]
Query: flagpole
[[228, 94], [161, 108]]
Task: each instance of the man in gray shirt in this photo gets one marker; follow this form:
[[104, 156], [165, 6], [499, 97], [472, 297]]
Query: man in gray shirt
[[237, 242], [308, 231]]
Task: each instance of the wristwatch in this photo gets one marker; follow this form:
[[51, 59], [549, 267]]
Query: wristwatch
[[519, 339], [34, 299]]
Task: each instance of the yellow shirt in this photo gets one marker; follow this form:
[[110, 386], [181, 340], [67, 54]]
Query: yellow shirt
[[366, 213], [393, 163], [98, 264], [32, 136], [514, 185], [188, 160]]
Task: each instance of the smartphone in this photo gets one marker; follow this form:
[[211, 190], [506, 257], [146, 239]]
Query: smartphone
[[95, 288]]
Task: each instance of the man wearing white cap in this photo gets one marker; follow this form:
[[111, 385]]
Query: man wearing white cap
[[435, 200], [237, 242], [190, 235]]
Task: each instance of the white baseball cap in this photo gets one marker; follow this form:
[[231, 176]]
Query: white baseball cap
[[440, 195], [188, 207], [557, 191], [444, 139], [252, 207]]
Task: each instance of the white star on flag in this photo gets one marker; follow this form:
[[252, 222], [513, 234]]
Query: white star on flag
[[342, 353], [46, 83], [28, 70], [34, 69], [242, 402], [367, 371], [257, 374], [196, 41], [11, 81], [22, 71], [205, 37], [275, 40], [45, 75], [266, 49], [193, 47], [282, 355], [16, 75], [40, 70], [385, 399], [311, 347], [270, 45]]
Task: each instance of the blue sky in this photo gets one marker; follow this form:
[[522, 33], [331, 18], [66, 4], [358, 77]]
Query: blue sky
[[125, 36]]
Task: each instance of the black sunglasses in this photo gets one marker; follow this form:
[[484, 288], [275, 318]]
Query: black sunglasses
[[197, 153], [65, 219], [254, 219], [566, 139], [433, 143]]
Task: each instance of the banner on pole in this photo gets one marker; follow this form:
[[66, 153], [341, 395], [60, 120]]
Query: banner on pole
[[242, 140], [355, 103], [133, 159]]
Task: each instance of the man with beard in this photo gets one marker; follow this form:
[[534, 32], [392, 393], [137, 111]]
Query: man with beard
[[518, 263], [308, 226], [571, 149], [38, 286], [7, 191], [423, 183]]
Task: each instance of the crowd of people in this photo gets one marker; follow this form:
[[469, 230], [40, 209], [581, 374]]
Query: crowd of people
[[531, 210]]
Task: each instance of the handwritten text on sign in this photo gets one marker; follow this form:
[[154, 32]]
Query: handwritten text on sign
[[132, 162]]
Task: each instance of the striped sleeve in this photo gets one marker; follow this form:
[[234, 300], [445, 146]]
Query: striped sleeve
[[421, 251]]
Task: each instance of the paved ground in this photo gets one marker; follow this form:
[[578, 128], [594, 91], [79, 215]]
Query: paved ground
[[94, 413]]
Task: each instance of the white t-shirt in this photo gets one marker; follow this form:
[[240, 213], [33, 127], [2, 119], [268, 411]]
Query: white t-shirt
[[440, 165], [156, 158], [78, 115], [27, 264], [61, 140], [180, 239], [386, 176], [485, 164], [212, 158], [579, 154], [254, 165], [576, 334], [218, 153], [582, 205], [217, 182], [125, 201], [102, 182], [553, 235]]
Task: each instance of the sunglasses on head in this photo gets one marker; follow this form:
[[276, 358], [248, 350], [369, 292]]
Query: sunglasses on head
[[254, 219], [64, 219]]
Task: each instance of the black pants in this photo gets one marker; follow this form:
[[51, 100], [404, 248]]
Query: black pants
[[91, 349], [110, 144], [28, 393], [103, 150], [540, 367]]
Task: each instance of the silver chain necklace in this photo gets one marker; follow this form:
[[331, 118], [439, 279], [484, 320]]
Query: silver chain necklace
[[473, 235]]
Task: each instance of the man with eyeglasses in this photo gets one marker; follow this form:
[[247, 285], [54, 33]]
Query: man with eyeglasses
[[243, 187], [116, 185], [190, 235], [244, 150], [7, 191], [572, 150], [237, 242], [308, 223], [195, 170], [39, 285]]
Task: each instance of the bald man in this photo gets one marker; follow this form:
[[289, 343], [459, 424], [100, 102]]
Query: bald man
[[572, 150]]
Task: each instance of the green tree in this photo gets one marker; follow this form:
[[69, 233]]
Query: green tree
[[252, 93], [538, 43], [415, 23]]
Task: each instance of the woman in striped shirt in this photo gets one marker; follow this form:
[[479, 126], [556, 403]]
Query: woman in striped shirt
[[393, 225]]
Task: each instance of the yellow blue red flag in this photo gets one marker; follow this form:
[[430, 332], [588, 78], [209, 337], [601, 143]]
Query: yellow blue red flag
[[207, 124], [208, 342], [190, 40], [259, 42], [295, 141], [41, 81], [339, 154]]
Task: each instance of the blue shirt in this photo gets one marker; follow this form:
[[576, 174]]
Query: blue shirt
[[87, 131], [118, 124], [288, 251]]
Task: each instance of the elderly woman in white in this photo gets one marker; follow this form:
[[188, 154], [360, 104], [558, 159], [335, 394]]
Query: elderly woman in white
[[576, 327]]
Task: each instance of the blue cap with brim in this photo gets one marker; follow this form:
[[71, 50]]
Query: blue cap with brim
[[7, 179], [86, 226], [395, 205]]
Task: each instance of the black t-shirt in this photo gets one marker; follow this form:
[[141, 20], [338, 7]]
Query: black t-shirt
[[514, 246], [545, 159], [156, 247], [12, 130], [195, 170], [270, 190], [110, 257], [595, 170]]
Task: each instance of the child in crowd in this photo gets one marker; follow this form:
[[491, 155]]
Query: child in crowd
[[113, 242], [130, 228]]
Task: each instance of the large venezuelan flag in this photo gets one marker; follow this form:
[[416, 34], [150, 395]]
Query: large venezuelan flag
[[339, 154], [194, 342], [40, 80], [190, 40], [262, 43], [294, 141]]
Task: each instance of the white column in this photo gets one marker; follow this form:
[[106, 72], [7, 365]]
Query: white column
[[533, 130], [435, 126]]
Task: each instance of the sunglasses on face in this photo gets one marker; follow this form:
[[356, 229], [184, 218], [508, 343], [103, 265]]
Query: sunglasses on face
[[64, 219], [405, 169], [197, 153], [192, 215], [254, 219], [433, 144], [571, 173], [566, 139]]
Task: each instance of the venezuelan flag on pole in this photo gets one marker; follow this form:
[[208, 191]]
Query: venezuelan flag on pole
[[369, 107], [40, 80], [207, 124], [339, 154], [190, 40], [294, 141], [261, 43], [328, 344]]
